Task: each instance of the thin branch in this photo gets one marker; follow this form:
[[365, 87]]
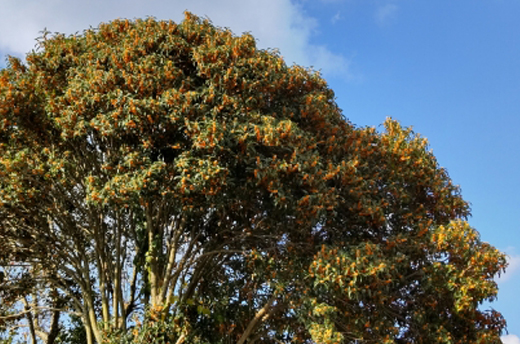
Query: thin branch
[[21, 314], [260, 316]]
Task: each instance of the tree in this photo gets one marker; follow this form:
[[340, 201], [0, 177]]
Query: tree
[[176, 179]]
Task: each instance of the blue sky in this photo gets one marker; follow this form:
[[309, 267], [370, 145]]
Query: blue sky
[[450, 69]]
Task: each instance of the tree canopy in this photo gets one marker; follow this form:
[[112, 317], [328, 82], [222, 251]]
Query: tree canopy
[[173, 183]]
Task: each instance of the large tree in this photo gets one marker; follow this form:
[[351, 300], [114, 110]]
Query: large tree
[[175, 179]]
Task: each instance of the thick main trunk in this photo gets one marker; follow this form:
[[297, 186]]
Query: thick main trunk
[[117, 295], [54, 327], [104, 298], [88, 329], [93, 323], [30, 320], [88, 298], [152, 260]]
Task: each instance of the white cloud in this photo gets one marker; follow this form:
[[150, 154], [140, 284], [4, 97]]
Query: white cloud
[[512, 269], [510, 339], [278, 24], [333, 63], [384, 14]]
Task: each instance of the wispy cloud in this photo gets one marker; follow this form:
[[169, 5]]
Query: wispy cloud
[[331, 1], [385, 14], [510, 339], [278, 24], [336, 17]]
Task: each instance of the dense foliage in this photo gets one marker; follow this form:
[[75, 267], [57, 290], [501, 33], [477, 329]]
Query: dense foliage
[[172, 183]]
